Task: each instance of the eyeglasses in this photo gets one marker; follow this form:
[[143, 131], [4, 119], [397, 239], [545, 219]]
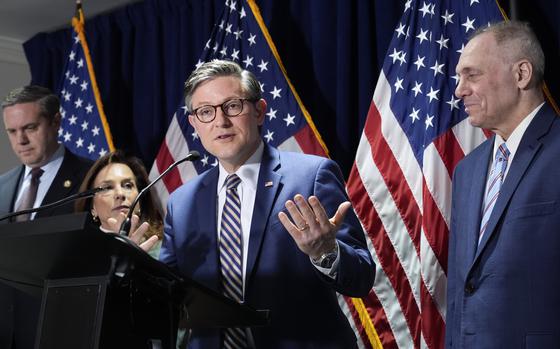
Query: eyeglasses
[[230, 108]]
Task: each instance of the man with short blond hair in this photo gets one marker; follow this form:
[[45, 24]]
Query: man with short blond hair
[[49, 172]]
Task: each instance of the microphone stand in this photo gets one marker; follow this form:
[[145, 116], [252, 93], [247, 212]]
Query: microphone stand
[[125, 225], [84, 194]]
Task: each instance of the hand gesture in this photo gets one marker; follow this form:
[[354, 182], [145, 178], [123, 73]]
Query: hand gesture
[[136, 232], [311, 229]]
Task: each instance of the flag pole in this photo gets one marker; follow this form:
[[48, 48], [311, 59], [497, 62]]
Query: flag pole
[[78, 22], [258, 18]]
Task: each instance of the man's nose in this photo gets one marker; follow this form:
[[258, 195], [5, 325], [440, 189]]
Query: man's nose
[[22, 138], [461, 89], [221, 118]]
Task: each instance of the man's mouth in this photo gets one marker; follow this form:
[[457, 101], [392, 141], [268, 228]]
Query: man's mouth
[[224, 136]]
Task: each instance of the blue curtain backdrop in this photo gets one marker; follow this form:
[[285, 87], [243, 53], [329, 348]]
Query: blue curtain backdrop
[[332, 50]]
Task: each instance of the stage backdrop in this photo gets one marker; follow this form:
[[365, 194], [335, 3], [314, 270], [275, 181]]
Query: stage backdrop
[[332, 51]]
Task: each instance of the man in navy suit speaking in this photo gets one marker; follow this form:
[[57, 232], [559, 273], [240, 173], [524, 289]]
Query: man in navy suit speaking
[[504, 249], [268, 228]]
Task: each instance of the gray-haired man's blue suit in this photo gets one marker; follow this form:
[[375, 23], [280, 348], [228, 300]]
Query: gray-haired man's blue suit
[[505, 292]]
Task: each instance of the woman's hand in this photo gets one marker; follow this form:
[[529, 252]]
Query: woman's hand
[[136, 232]]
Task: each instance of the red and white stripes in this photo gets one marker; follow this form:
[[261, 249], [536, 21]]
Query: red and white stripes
[[404, 207]]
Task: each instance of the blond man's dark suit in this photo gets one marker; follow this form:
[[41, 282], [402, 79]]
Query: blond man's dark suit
[[19, 311]]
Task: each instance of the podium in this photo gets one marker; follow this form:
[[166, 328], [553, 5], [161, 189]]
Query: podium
[[99, 290]]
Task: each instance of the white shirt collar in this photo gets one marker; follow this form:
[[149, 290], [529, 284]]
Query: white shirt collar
[[515, 138], [248, 172], [50, 169], [52, 163]]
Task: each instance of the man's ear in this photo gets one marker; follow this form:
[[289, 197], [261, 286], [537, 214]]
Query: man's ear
[[57, 119], [192, 121], [260, 106], [523, 73]]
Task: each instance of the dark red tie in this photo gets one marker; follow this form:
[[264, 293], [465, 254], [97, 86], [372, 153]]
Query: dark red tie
[[30, 194]]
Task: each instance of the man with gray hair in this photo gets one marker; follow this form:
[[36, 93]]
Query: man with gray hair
[[228, 229], [504, 248], [48, 173]]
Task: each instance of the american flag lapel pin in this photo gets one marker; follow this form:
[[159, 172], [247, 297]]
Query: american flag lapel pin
[[268, 184]]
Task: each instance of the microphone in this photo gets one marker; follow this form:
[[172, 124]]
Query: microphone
[[84, 194], [125, 225]]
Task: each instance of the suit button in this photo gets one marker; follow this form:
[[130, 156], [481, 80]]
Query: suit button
[[469, 288]]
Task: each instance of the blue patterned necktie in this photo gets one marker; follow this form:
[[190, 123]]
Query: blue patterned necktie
[[495, 180], [231, 257]]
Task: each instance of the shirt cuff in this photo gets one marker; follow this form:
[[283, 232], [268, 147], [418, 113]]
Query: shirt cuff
[[332, 271]]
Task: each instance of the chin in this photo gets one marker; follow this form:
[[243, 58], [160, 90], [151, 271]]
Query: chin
[[229, 155], [474, 121]]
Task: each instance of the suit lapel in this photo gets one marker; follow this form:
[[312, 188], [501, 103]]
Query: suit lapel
[[8, 190], [267, 189], [206, 211], [476, 197], [528, 148], [66, 181]]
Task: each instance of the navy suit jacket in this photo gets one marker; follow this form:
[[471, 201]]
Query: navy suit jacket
[[303, 302], [505, 293], [66, 182], [18, 310]]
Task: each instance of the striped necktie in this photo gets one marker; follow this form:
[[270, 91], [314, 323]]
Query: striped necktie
[[231, 257], [29, 195], [493, 186]]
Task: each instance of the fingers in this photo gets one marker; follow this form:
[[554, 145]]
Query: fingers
[[134, 222], [319, 212], [340, 213], [148, 244], [307, 212], [297, 211], [137, 231], [310, 227], [310, 216], [114, 223], [136, 235], [290, 227]]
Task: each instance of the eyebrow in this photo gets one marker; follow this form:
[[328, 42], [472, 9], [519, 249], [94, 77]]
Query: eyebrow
[[467, 70], [202, 104], [107, 181], [121, 180], [22, 127]]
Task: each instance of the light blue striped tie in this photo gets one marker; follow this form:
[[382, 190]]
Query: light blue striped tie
[[231, 257], [495, 180]]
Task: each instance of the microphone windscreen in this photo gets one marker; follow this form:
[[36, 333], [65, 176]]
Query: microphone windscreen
[[193, 155]]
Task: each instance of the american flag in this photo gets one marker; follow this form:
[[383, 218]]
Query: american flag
[[240, 35], [400, 185], [84, 129]]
